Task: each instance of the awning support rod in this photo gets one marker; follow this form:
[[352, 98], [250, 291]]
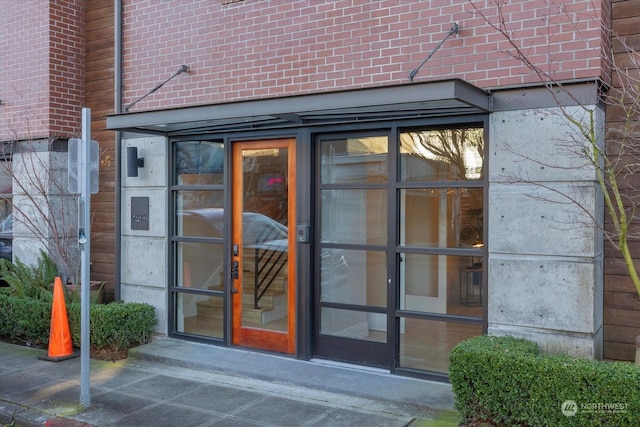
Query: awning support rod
[[454, 30], [182, 69]]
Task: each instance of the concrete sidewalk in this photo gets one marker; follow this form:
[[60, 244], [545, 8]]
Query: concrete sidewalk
[[177, 383]]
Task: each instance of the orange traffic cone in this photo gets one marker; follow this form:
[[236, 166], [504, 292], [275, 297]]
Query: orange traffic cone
[[60, 345]]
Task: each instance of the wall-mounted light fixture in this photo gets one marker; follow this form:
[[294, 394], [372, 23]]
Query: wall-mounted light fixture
[[133, 162]]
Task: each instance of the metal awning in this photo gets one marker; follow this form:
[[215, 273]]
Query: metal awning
[[431, 99]]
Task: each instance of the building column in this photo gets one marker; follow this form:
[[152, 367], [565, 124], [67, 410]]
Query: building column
[[545, 247], [143, 270]]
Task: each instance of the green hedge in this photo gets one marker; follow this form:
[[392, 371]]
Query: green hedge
[[25, 319], [507, 381], [115, 326]]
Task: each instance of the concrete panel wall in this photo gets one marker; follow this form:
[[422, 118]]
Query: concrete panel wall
[[45, 215], [144, 252], [545, 246]]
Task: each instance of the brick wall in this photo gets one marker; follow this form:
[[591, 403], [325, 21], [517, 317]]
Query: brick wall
[[42, 68], [24, 85], [256, 49], [66, 65]]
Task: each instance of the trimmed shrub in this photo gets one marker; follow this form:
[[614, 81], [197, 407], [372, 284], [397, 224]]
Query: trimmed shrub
[[114, 326], [25, 319], [507, 381]]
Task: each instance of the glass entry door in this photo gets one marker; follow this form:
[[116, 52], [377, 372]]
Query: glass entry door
[[352, 299], [263, 245]]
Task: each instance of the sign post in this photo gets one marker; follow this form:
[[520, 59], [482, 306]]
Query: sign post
[[84, 238], [84, 162]]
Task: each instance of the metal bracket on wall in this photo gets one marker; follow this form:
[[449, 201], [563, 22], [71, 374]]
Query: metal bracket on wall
[[182, 69], [454, 30]]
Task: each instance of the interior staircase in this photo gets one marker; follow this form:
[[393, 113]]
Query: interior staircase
[[272, 305]]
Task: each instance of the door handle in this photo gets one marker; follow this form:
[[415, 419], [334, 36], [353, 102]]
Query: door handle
[[235, 267]]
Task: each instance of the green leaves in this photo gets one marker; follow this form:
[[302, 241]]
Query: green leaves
[[114, 326], [509, 381], [27, 281]]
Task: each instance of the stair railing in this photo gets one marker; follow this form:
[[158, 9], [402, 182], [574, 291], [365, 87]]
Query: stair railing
[[269, 262]]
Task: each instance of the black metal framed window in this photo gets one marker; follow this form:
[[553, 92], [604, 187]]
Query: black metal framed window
[[440, 196], [196, 237]]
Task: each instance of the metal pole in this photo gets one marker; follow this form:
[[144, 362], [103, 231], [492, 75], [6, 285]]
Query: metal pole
[[84, 158]]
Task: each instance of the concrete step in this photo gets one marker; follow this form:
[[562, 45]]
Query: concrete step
[[272, 307]]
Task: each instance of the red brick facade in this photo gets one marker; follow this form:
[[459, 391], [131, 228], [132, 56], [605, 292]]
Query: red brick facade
[[42, 68], [258, 49]]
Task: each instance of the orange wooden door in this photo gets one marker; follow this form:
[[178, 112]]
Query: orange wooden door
[[263, 255]]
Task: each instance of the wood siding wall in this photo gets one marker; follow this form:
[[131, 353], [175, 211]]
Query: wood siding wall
[[100, 88], [621, 303]]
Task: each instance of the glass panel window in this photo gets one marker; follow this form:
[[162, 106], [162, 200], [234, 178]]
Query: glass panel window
[[442, 155], [197, 196], [441, 217], [199, 162], [199, 213], [6, 217], [200, 315], [426, 344], [353, 277], [354, 160], [199, 265], [199, 199], [442, 284], [354, 324], [355, 216]]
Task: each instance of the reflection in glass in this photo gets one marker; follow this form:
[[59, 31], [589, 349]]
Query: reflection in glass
[[353, 277], [6, 208], [441, 284], [354, 324], [200, 315], [199, 265], [265, 182], [265, 238], [356, 216], [431, 354], [199, 213], [441, 217], [199, 162], [442, 155], [352, 160]]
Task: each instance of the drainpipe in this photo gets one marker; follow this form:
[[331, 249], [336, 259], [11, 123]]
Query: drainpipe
[[118, 143]]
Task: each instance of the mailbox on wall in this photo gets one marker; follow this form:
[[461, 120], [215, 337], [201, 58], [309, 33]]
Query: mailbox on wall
[[139, 213]]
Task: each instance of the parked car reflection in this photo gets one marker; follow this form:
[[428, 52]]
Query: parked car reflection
[[256, 228], [258, 232], [6, 237]]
